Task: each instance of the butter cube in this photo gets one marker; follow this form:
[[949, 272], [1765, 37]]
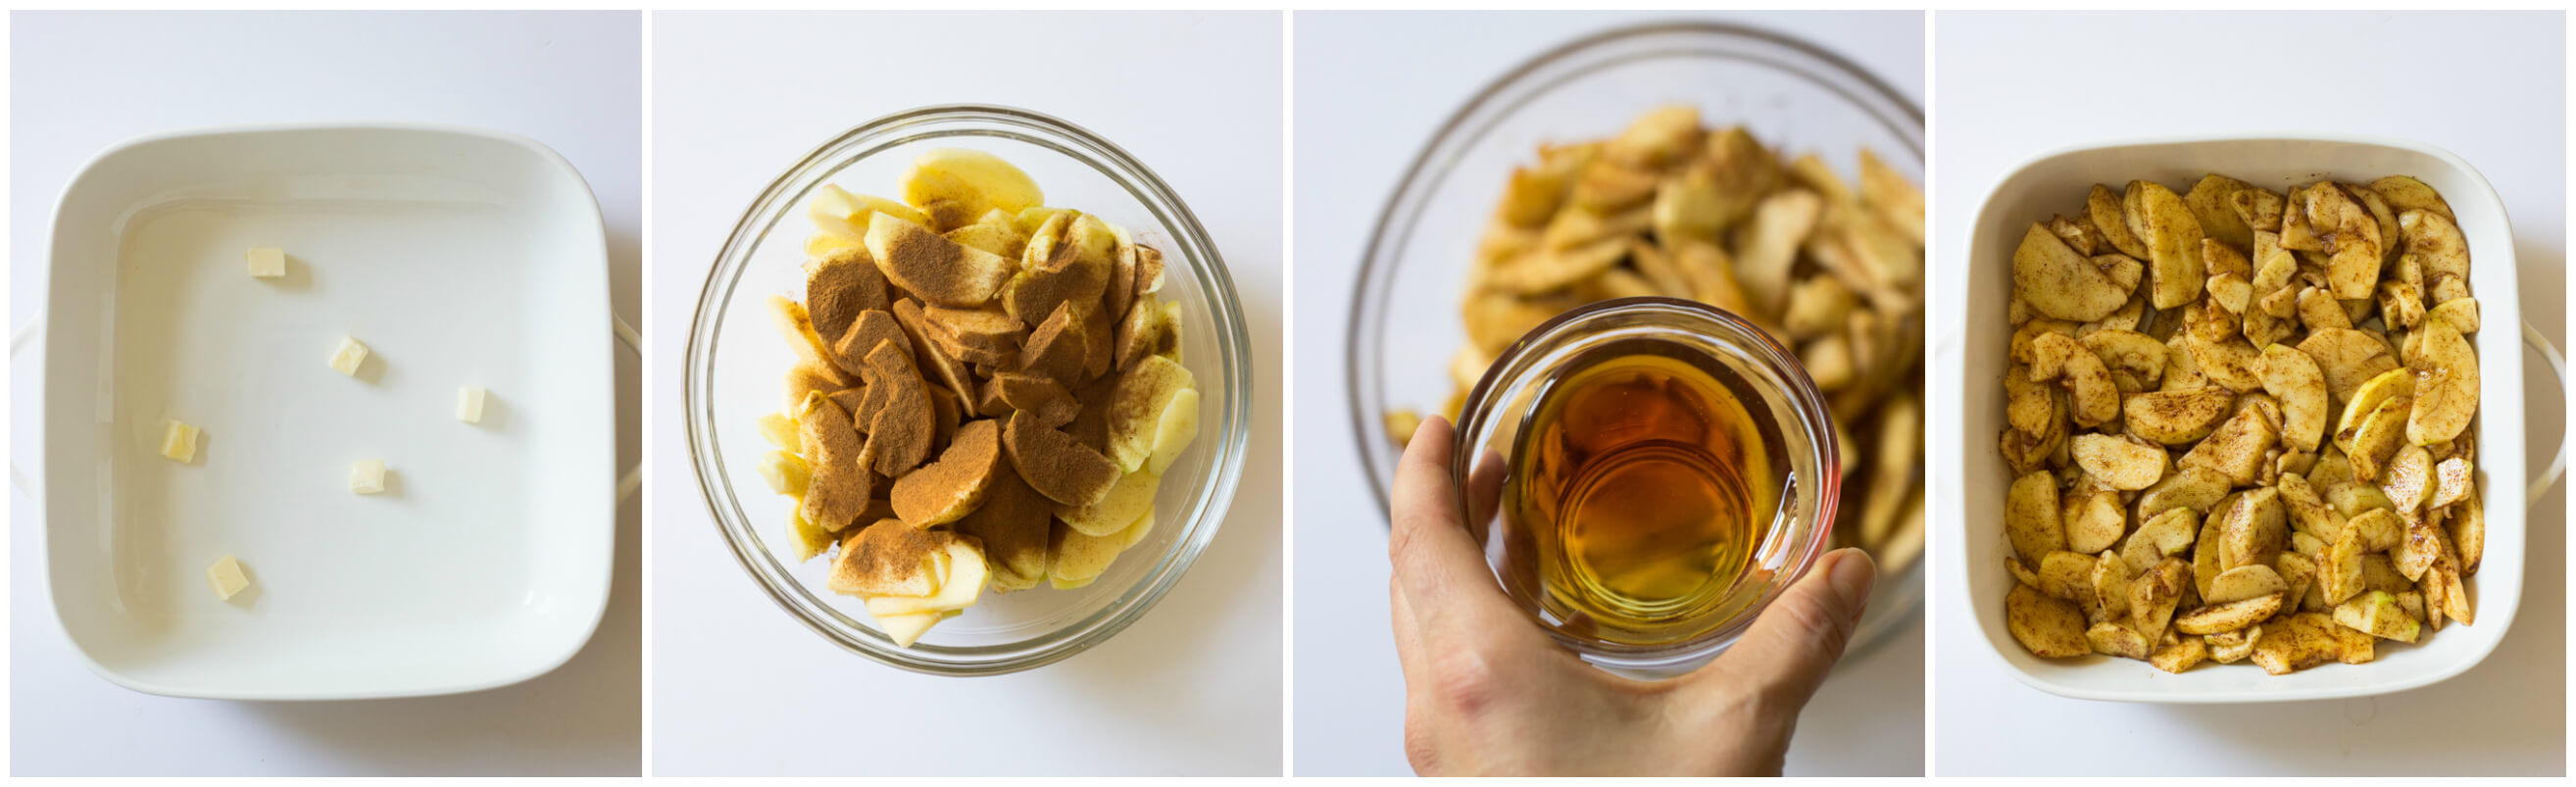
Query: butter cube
[[267, 262], [469, 405], [347, 357], [226, 576], [367, 477], [179, 441]]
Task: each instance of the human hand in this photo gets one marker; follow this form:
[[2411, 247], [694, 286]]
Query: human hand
[[1489, 693]]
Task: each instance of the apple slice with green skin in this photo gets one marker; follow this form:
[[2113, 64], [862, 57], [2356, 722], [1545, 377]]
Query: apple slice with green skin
[[963, 586]]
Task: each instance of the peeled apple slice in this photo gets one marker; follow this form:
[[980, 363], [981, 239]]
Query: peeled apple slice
[[837, 211], [963, 586], [907, 629], [1179, 425]]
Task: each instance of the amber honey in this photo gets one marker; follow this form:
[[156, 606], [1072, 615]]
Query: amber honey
[[1644, 487]]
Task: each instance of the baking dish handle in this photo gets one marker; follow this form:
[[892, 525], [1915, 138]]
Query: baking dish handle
[[18, 339], [2557, 365], [633, 478]]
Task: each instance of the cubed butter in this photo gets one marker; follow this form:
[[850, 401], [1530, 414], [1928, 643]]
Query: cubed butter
[[179, 441], [367, 477], [226, 575], [469, 405], [267, 262], [348, 356]]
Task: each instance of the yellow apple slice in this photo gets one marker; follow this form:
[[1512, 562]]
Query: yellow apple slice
[[1079, 558], [838, 212], [1133, 494], [823, 244], [907, 629], [1135, 533], [785, 472], [1179, 425], [961, 588], [809, 539], [780, 431], [1136, 408], [972, 180]]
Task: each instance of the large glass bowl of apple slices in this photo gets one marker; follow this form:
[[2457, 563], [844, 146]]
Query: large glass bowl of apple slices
[[967, 390]]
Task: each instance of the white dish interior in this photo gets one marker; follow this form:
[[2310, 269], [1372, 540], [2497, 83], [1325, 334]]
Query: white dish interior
[[460, 258], [2051, 184]]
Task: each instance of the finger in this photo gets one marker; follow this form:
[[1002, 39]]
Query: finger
[[1437, 564], [1790, 649], [1408, 645], [1484, 488]]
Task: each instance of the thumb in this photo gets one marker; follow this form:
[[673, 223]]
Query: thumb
[[1790, 649]]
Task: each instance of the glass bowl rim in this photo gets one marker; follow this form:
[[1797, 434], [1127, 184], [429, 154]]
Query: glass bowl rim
[[1200, 260]]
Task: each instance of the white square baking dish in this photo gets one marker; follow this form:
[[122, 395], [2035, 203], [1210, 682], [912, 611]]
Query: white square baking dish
[[461, 258], [2049, 184]]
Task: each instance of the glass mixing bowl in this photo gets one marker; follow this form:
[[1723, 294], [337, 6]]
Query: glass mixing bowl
[[1790, 94], [735, 368]]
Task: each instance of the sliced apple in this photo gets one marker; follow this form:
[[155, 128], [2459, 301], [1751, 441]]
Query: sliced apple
[[907, 629], [1178, 426], [1131, 497], [955, 186], [811, 351], [1136, 408], [838, 212], [785, 472], [1078, 558], [964, 585]]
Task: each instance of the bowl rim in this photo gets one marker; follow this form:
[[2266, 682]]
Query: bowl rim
[[594, 231], [2484, 197], [1201, 260]]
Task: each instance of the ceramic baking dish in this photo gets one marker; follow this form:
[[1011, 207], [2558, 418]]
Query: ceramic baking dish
[[2051, 182], [462, 258]]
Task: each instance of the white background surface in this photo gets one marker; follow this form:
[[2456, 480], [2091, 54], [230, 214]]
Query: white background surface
[[1996, 109], [1192, 688], [1371, 90], [82, 83]]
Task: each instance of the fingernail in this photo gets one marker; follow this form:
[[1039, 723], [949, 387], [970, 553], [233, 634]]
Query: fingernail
[[1854, 573]]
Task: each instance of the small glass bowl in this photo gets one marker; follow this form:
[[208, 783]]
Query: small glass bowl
[[1789, 93], [733, 377], [1776, 390]]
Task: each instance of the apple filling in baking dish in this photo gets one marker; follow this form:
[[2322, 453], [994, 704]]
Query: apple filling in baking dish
[[986, 394], [2240, 423]]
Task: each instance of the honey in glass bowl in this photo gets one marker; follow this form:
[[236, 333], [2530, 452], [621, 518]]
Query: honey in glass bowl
[[1647, 485], [1646, 474]]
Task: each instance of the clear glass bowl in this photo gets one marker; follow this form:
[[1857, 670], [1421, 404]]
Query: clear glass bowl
[[734, 377], [1775, 390], [1790, 94]]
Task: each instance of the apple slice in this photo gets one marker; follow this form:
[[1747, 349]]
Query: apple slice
[[1131, 496], [836, 211], [810, 540], [1179, 425], [907, 629], [1136, 408], [963, 586], [1135, 533], [1078, 558]]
